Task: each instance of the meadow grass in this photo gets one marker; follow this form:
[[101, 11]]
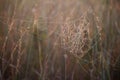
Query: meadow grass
[[58, 40]]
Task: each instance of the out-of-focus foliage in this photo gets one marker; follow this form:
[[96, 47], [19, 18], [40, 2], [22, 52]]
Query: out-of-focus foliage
[[59, 40]]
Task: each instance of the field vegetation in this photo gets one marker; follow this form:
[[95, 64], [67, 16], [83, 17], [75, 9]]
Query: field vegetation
[[59, 39]]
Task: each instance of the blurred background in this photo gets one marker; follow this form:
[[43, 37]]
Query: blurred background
[[59, 40]]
